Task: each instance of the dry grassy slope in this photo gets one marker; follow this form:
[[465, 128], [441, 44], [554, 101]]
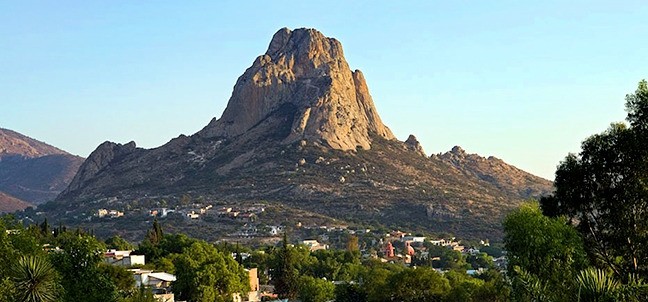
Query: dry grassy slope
[[14, 143], [33, 171], [10, 204], [389, 184]]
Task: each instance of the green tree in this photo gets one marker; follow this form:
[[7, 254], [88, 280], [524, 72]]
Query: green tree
[[15, 242], [496, 287], [46, 230], [121, 277], [315, 289], [417, 284], [118, 243], [205, 274], [78, 264], [352, 244], [35, 280], [375, 280], [462, 286], [284, 272], [603, 191], [143, 294], [350, 292], [542, 249]]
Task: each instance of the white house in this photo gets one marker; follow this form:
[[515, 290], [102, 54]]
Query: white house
[[313, 245], [413, 239], [123, 258], [159, 282]]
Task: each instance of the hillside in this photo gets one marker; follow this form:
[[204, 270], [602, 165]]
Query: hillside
[[33, 171], [10, 204], [14, 143], [301, 131]]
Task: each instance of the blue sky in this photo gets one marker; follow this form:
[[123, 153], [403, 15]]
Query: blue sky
[[525, 81]]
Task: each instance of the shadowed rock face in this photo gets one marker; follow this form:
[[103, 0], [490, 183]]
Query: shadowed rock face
[[308, 70], [413, 144], [99, 159]]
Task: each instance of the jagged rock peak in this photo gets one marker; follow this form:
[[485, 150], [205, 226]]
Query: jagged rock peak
[[99, 159], [413, 144], [457, 150], [303, 72]]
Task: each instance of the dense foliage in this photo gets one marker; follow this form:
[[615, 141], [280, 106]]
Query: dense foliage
[[604, 191], [591, 245]]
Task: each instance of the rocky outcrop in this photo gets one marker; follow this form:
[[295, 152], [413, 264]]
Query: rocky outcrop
[[496, 172], [413, 144], [99, 159], [303, 68]]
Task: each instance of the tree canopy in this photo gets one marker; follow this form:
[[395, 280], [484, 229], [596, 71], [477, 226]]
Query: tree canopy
[[604, 191]]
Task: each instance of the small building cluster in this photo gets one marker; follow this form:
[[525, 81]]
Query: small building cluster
[[101, 213]]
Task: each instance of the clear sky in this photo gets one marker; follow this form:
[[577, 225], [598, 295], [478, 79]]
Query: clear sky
[[525, 81]]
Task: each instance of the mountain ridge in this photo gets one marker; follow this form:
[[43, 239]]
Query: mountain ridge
[[32, 172], [14, 143], [301, 129]]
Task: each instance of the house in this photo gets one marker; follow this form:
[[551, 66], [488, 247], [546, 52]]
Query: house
[[458, 248], [101, 213], [313, 245], [440, 242], [123, 258], [115, 214], [413, 239], [254, 295], [397, 234], [471, 251], [275, 230], [159, 282]]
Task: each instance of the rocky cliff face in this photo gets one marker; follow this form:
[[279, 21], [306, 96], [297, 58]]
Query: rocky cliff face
[[301, 130], [32, 172], [98, 160], [307, 71], [413, 144]]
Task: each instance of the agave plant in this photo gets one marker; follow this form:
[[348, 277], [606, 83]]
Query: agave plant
[[597, 286], [35, 280], [635, 290], [529, 286]]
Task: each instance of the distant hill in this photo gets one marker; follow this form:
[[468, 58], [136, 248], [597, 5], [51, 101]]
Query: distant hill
[[32, 171], [301, 130], [10, 204], [13, 143]]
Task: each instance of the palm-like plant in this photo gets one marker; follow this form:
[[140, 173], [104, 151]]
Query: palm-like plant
[[597, 285], [35, 279]]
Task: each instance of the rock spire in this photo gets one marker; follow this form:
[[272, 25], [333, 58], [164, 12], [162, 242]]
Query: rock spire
[[306, 73]]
